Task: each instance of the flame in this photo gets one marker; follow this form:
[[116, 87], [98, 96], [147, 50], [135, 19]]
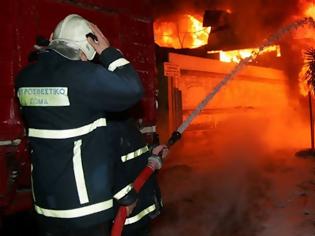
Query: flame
[[308, 10], [187, 32], [237, 55]]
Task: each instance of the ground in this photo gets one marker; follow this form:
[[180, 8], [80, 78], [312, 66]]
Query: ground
[[236, 180]]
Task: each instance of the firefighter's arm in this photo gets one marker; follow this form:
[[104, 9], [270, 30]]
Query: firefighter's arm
[[112, 91], [116, 85]]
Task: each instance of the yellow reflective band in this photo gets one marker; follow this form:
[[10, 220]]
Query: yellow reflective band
[[134, 154], [117, 63], [123, 192], [148, 129], [43, 96], [66, 133], [79, 173], [77, 212], [139, 216]]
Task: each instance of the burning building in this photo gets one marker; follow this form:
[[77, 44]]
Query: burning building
[[216, 40]]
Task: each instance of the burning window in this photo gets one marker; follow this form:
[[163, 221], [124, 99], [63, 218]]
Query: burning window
[[184, 31], [237, 55]]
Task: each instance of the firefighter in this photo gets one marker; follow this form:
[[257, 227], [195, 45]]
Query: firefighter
[[64, 99], [134, 156]]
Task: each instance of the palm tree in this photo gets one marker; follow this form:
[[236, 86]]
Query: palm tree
[[309, 82]]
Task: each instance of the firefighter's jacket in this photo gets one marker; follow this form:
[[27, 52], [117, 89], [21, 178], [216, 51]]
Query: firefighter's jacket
[[64, 103], [134, 154]]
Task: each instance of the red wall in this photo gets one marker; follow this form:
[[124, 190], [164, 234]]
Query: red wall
[[127, 24]]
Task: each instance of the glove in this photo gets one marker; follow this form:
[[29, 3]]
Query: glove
[[161, 151], [129, 198], [155, 162]]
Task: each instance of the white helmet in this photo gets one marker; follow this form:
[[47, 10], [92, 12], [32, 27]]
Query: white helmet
[[69, 38]]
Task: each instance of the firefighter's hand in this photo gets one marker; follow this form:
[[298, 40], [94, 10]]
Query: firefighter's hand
[[130, 208], [161, 151], [101, 43]]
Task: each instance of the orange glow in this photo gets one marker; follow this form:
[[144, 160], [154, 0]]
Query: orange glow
[[237, 55], [253, 98], [253, 91], [308, 11], [185, 32]]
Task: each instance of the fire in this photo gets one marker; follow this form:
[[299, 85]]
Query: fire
[[306, 32], [237, 55], [310, 11], [185, 32]]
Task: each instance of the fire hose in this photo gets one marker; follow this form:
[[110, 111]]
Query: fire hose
[[176, 135]]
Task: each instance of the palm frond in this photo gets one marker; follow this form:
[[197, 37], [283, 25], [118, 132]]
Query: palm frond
[[310, 69]]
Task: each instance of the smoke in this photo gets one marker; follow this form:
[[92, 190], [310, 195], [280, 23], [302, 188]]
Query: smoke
[[251, 20], [217, 181], [254, 20], [166, 8]]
